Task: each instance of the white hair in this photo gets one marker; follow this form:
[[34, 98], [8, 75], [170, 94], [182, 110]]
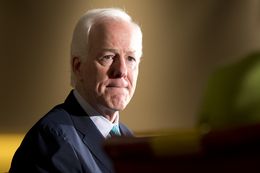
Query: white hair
[[79, 43]]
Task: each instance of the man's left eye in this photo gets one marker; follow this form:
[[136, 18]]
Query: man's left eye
[[130, 58]]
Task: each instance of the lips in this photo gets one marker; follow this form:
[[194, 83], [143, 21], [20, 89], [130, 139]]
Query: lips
[[118, 84]]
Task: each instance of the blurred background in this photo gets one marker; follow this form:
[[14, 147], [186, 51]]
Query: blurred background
[[184, 42]]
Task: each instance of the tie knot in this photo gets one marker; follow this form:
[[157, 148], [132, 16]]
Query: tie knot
[[115, 131]]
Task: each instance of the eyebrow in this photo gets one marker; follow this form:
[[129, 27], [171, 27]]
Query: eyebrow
[[116, 51]]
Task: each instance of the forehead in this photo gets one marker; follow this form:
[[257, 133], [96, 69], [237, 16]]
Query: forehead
[[114, 34], [108, 25]]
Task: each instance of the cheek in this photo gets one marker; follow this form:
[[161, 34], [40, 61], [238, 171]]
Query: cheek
[[135, 74], [101, 74], [99, 78], [89, 76], [133, 79]]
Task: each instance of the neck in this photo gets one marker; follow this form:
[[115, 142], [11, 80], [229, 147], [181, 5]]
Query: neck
[[109, 114]]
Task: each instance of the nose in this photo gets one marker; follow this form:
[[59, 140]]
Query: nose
[[118, 68]]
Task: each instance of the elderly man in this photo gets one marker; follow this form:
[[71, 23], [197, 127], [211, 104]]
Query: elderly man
[[105, 54]]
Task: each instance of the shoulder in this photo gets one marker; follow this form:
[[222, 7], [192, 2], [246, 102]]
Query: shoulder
[[52, 123], [44, 142], [56, 115]]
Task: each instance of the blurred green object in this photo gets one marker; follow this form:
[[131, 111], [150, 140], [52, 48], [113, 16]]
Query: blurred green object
[[232, 95]]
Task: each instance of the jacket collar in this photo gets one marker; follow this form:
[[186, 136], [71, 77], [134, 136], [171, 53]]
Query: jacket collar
[[74, 108], [90, 134]]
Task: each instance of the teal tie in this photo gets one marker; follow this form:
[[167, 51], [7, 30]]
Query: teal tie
[[115, 131]]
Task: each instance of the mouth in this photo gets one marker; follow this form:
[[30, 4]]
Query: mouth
[[117, 85]]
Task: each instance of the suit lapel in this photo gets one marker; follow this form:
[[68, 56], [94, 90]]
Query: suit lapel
[[91, 137], [125, 131]]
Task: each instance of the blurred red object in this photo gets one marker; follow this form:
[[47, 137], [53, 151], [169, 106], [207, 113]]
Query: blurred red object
[[233, 149]]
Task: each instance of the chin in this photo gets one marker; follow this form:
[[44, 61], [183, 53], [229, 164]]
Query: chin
[[118, 107], [117, 103]]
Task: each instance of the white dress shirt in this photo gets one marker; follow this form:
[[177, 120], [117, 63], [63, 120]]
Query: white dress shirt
[[102, 124]]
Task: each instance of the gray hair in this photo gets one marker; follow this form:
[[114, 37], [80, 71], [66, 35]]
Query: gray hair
[[79, 43]]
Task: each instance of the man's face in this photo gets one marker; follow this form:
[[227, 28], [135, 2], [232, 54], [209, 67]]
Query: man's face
[[108, 76]]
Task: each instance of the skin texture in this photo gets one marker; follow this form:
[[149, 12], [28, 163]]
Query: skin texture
[[107, 77]]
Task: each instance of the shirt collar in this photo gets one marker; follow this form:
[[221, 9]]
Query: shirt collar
[[103, 124]]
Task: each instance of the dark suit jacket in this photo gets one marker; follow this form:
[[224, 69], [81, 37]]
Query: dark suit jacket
[[65, 140]]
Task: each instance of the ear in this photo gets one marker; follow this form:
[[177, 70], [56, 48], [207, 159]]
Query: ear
[[76, 66]]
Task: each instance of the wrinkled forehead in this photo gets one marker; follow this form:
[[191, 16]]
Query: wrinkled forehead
[[110, 29]]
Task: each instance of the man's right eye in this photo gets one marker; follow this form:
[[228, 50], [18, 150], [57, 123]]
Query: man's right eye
[[106, 59]]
